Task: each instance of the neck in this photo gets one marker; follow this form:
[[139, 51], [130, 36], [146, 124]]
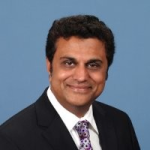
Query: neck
[[79, 111]]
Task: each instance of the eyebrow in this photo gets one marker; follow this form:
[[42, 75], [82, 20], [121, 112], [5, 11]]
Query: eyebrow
[[95, 60], [67, 57], [89, 61]]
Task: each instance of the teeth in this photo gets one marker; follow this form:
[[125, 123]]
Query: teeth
[[79, 89]]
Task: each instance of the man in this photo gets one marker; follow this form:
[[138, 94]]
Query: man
[[79, 52]]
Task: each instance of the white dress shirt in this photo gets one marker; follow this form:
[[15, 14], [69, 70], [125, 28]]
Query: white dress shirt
[[70, 121]]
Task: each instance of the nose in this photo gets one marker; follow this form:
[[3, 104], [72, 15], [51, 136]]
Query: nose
[[80, 73]]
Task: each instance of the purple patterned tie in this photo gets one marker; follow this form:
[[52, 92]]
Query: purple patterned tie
[[83, 132]]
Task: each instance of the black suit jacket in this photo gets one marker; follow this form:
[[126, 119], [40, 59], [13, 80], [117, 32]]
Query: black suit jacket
[[39, 127]]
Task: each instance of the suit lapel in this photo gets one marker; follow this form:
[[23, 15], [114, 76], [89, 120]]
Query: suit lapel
[[107, 135], [58, 136], [53, 129]]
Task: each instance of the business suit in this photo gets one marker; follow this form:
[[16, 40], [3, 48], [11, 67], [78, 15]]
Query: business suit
[[39, 127]]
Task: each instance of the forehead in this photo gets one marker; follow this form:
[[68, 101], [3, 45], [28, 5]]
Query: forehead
[[79, 46]]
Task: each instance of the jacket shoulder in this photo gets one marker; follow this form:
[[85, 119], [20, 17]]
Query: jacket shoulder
[[117, 116], [19, 122], [109, 110]]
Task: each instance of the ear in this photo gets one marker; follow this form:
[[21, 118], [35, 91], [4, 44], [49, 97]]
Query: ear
[[48, 66]]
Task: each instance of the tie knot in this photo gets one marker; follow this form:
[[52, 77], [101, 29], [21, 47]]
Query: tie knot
[[82, 125]]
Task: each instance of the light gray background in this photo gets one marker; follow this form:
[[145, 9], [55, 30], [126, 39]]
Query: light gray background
[[24, 25]]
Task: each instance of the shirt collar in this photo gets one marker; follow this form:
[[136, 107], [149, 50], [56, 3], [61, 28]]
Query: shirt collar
[[67, 115]]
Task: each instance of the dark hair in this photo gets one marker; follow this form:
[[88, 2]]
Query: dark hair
[[82, 26]]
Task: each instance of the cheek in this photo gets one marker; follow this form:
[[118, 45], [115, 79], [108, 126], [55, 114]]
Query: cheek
[[59, 76], [99, 77], [100, 83], [63, 75]]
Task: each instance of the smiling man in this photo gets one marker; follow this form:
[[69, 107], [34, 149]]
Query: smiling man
[[79, 52]]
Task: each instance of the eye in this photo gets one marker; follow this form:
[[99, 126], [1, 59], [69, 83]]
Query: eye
[[94, 65], [69, 63]]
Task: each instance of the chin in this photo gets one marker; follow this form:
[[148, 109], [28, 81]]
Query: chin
[[81, 101]]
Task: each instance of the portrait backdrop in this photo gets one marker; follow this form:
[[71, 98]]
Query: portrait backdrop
[[24, 25]]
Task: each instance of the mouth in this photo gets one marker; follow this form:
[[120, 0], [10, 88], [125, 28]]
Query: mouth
[[80, 89]]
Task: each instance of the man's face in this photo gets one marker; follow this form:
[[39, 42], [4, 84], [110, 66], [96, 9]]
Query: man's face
[[79, 71]]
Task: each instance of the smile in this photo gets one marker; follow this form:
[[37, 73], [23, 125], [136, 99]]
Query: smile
[[80, 89]]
